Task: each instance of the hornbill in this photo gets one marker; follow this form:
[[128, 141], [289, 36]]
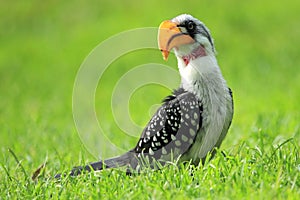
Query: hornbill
[[195, 118]]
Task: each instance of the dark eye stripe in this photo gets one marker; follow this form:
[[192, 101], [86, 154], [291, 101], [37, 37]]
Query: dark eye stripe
[[190, 32], [198, 28], [206, 33]]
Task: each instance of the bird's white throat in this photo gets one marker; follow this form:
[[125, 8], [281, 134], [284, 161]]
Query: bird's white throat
[[203, 77], [204, 71]]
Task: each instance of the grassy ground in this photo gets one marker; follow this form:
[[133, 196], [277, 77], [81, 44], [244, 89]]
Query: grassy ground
[[42, 45]]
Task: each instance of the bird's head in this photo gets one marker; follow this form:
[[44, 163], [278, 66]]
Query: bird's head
[[188, 36]]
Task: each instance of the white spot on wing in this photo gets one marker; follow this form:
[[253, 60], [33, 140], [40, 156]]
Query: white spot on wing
[[193, 122], [192, 132], [173, 137], [177, 143], [152, 144], [151, 152], [164, 151], [195, 116], [184, 138]]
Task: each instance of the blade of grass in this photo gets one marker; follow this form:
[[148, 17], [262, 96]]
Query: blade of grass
[[18, 162], [6, 171]]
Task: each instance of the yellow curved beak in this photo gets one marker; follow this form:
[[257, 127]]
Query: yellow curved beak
[[170, 36]]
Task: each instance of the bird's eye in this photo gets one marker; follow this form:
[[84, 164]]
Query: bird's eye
[[190, 25]]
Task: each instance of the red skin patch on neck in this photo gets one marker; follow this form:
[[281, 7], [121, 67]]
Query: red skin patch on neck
[[199, 52], [186, 60]]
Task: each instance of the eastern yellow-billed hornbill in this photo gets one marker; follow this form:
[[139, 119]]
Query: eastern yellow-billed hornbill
[[195, 118]]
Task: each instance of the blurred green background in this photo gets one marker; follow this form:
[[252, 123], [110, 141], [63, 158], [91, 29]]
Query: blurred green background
[[42, 45]]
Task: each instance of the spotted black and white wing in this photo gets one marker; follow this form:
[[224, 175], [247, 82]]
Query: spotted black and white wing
[[170, 133], [172, 130]]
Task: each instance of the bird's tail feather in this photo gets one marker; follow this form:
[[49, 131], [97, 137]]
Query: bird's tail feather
[[128, 159]]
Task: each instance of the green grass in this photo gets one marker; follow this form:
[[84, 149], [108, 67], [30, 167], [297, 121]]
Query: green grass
[[42, 45]]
